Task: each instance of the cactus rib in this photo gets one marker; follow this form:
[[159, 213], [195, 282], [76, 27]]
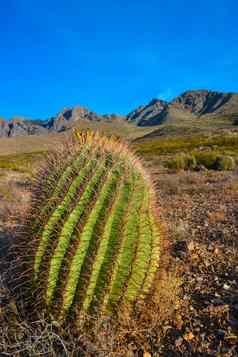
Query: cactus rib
[[68, 229], [107, 245], [126, 253], [85, 239], [60, 186], [155, 254], [58, 213], [142, 260]]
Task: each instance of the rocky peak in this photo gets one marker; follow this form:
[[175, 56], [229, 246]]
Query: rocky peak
[[201, 102], [189, 104], [68, 116], [157, 102], [151, 114], [3, 128]]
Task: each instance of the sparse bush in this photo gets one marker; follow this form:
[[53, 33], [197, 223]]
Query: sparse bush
[[235, 121], [213, 161], [225, 163], [177, 163], [182, 162], [208, 159], [190, 162], [91, 240]]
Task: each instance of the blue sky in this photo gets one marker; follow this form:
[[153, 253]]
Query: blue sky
[[112, 55]]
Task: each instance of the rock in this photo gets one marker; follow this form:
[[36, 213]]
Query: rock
[[4, 129], [201, 102], [190, 104], [21, 127], [147, 354], [226, 286], [189, 336], [150, 114], [180, 249], [221, 333], [179, 342], [191, 246]]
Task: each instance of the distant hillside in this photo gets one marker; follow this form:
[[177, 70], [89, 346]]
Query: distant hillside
[[153, 113], [202, 102], [64, 120], [189, 106]]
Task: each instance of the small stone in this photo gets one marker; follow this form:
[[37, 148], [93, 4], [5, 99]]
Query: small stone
[[218, 301], [226, 286], [189, 336], [179, 341], [146, 354], [221, 333], [191, 246]]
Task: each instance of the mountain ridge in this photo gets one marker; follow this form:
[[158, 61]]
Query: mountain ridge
[[192, 104]]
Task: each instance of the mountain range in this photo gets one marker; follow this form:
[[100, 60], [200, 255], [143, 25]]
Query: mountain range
[[191, 104]]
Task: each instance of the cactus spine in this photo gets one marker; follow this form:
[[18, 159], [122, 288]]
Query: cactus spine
[[96, 238]]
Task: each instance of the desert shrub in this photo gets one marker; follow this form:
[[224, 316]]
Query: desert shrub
[[91, 240], [190, 162], [182, 162], [188, 144], [207, 159], [20, 162], [235, 121], [214, 161], [177, 163], [225, 163]]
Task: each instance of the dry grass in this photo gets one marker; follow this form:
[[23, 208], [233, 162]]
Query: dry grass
[[29, 144]]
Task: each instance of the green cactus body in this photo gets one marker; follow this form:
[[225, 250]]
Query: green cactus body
[[107, 246], [102, 226]]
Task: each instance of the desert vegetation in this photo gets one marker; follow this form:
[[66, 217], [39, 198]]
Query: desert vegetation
[[93, 232], [209, 160], [193, 308], [89, 243]]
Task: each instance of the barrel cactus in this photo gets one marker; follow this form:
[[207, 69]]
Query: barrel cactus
[[92, 240]]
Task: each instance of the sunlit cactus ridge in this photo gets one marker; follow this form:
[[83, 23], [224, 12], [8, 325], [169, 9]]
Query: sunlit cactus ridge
[[92, 233]]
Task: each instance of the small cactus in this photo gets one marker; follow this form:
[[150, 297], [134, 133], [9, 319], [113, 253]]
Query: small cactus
[[92, 240]]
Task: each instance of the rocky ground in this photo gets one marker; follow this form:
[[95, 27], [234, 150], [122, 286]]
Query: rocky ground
[[201, 212], [14, 197]]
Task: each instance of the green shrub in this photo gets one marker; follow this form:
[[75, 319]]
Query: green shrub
[[190, 162], [208, 159], [213, 161], [91, 241], [182, 162], [177, 163], [225, 163], [235, 121]]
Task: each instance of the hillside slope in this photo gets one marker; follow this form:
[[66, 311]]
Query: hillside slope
[[64, 120], [189, 107], [203, 102]]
